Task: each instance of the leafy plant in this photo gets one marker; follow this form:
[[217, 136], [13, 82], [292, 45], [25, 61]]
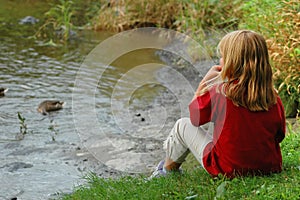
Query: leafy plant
[[58, 21]]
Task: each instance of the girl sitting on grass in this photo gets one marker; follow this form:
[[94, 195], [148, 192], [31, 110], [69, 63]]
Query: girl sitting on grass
[[248, 115]]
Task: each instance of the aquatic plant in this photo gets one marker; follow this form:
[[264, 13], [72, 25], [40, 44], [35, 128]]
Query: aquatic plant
[[64, 16], [58, 21], [23, 126]]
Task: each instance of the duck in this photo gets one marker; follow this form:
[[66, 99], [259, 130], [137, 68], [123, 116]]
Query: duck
[[3, 91], [50, 105]]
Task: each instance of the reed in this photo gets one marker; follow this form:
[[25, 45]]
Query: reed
[[187, 15]]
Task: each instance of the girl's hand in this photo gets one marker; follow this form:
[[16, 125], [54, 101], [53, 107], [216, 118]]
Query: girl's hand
[[212, 74]]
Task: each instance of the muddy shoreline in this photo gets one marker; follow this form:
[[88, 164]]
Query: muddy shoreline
[[168, 100], [174, 105]]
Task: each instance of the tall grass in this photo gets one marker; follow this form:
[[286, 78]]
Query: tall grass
[[279, 22], [186, 15]]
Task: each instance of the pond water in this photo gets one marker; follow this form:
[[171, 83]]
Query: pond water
[[51, 158]]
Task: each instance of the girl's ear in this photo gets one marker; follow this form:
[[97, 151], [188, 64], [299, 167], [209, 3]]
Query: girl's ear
[[221, 63]]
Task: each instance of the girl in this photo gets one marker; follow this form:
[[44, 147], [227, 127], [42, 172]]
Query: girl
[[248, 116]]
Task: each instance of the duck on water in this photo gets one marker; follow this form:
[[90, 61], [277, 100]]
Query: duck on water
[[50, 105], [3, 91]]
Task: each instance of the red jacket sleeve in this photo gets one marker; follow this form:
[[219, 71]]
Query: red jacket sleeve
[[200, 110], [281, 133]]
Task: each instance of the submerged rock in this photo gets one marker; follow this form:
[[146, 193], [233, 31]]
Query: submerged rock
[[29, 20], [12, 167], [63, 30]]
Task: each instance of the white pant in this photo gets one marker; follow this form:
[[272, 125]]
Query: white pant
[[185, 138]]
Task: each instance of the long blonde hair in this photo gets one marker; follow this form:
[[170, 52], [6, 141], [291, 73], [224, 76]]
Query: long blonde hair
[[247, 70]]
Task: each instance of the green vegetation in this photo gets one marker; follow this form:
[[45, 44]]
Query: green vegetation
[[23, 127], [195, 183], [58, 21], [279, 22], [53, 129], [186, 16], [64, 16]]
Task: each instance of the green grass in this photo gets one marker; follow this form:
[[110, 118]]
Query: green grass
[[195, 183]]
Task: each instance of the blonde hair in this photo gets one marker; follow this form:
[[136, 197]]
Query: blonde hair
[[247, 70]]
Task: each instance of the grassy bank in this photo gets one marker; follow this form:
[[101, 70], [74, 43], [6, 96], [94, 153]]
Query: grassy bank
[[195, 183]]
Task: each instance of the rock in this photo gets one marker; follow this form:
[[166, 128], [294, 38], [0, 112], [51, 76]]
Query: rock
[[60, 33], [15, 166], [29, 20]]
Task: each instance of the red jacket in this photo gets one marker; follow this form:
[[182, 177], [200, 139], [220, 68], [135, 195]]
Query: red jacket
[[244, 142]]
